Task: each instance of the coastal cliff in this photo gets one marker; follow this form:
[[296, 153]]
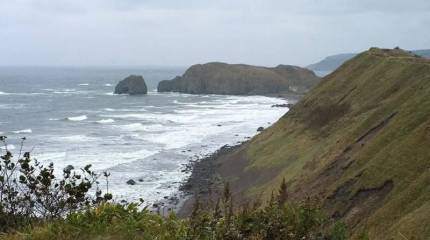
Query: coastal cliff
[[357, 143], [240, 79]]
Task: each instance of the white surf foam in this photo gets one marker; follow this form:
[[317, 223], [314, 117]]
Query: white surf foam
[[155, 117], [77, 118], [108, 85], [133, 127], [76, 138], [12, 106], [21, 94], [65, 91], [23, 131], [127, 109], [180, 103], [72, 91], [84, 84], [104, 121]]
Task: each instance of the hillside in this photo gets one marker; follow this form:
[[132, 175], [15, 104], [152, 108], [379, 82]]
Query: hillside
[[332, 62], [358, 142], [240, 79]]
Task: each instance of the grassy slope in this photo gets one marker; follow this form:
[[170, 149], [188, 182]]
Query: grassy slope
[[380, 182]]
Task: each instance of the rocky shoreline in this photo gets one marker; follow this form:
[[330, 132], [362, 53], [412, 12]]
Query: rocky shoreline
[[204, 181]]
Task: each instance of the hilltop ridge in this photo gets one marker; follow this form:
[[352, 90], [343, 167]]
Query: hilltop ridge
[[330, 63]]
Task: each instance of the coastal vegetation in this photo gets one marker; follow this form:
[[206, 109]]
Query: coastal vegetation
[[35, 204]]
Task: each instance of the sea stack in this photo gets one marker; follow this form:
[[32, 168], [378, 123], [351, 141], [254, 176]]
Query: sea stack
[[133, 85]]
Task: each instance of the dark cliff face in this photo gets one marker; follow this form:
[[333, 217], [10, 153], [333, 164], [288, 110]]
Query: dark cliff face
[[132, 85], [239, 79]]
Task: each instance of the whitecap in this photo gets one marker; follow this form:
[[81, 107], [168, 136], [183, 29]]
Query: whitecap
[[133, 127], [77, 118], [65, 90], [157, 117], [110, 94], [84, 84], [108, 85], [135, 116], [12, 106], [110, 120], [69, 91], [76, 138], [136, 127], [180, 103], [127, 109], [23, 131], [21, 94]]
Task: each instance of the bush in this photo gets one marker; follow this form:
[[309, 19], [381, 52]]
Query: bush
[[30, 191], [115, 221], [278, 219]]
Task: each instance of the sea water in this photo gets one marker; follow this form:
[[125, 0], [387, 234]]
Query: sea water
[[70, 116]]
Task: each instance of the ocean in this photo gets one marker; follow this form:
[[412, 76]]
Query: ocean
[[70, 116]]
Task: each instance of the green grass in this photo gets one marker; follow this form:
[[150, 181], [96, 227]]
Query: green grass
[[111, 221], [373, 85]]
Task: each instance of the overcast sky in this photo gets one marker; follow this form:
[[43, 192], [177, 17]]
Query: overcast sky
[[184, 32]]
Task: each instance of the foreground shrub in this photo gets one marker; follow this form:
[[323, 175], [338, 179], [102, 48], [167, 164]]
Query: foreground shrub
[[278, 219], [275, 220], [29, 191], [35, 204], [115, 221]]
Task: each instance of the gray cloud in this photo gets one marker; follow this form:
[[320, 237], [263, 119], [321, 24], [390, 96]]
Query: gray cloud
[[149, 32]]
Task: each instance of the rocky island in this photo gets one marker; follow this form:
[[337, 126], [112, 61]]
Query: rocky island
[[240, 79], [132, 85]]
